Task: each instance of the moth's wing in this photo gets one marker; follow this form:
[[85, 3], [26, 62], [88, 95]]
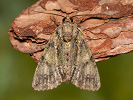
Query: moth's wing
[[48, 72], [84, 72]]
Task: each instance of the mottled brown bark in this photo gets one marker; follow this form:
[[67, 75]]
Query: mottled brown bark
[[106, 24]]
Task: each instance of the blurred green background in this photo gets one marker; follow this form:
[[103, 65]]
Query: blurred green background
[[17, 69]]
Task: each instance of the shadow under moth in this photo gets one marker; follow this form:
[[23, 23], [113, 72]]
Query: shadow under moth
[[66, 58]]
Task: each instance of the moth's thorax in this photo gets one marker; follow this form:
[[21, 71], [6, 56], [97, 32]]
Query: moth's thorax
[[67, 31]]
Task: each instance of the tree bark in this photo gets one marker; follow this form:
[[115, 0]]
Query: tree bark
[[106, 24]]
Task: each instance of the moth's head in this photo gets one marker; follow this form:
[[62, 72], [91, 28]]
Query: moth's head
[[67, 19]]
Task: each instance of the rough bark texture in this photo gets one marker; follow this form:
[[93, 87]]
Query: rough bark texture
[[106, 24]]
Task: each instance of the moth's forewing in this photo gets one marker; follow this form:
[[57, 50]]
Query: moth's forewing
[[47, 75], [84, 72]]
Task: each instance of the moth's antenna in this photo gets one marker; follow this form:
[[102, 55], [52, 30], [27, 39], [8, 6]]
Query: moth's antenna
[[63, 14], [52, 13], [67, 15], [75, 14]]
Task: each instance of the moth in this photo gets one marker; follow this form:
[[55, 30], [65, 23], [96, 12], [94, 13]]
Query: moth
[[66, 58]]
